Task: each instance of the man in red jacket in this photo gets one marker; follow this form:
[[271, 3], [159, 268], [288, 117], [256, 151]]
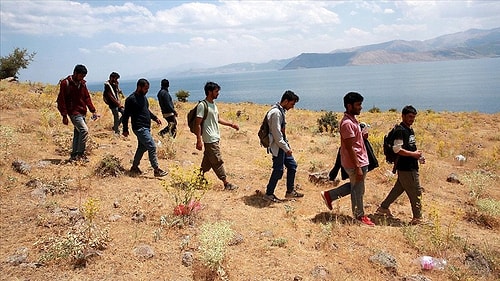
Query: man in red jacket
[[72, 101]]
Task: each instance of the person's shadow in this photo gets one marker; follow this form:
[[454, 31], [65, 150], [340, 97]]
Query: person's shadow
[[329, 217]]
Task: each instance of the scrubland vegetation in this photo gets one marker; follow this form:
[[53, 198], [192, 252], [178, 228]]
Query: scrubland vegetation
[[93, 221]]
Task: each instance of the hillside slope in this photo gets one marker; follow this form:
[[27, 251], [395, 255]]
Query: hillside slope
[[48, 201]]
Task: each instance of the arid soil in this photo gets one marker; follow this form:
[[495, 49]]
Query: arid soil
[[43, 198]]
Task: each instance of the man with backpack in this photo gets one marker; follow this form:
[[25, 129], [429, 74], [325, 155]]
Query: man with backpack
[[111, 97], [354, 159], [72, 101], [280, 149], [207, 134], [406, 165]]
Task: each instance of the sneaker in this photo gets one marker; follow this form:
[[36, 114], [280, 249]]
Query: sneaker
[[272, 198], [366, 220], [384, 212], [327, 199], [416, 221], [293, 194], [134, 170], [160, 173], [230, 186], [80, 158]]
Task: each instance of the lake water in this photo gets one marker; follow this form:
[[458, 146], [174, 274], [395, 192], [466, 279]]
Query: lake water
[[464, 85]]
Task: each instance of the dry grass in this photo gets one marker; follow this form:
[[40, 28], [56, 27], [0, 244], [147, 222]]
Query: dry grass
[[280, 241]]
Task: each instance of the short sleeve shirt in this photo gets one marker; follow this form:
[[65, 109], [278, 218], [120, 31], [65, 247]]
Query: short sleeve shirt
[[349, 128], [210, 132]]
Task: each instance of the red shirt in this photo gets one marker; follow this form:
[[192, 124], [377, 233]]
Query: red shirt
[[74, 99]]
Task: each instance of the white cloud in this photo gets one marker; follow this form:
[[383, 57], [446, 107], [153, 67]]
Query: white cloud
[[163, 34], [84, 51], [114, 47]]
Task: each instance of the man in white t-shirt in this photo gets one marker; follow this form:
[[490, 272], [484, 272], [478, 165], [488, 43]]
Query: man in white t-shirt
[[208, 134]]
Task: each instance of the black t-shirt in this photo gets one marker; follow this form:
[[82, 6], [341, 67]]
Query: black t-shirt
[[406, 163]]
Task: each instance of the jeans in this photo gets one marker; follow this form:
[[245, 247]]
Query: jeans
[[355, 188], [117, 118], [408, 181], [279, 162], [145, 143], [80, 135]]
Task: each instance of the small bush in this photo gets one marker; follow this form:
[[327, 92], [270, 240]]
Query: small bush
[[279, 242], [478, 183], [489, 206], [374, 109], [328, 123], [78, 245], [110, 166], [182, 95], [187, 189], [166, 149], [214, 239]]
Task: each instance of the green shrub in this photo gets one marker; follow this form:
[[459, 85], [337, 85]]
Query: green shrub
[[78, 245], [182, 95], [187, 189], [110, 165], [328, 123], [214, 239]]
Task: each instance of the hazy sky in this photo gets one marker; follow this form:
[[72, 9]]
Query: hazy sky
[[137, 37]]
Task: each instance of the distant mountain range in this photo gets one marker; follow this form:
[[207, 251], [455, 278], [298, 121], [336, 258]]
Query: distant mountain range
[[470, 44]]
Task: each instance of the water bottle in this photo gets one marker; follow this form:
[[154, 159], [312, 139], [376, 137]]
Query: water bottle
[[429, 263], [421, 160]]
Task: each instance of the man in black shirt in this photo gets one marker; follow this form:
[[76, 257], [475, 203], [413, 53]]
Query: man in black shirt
[[137, 108], [167, 109], [405, 146]]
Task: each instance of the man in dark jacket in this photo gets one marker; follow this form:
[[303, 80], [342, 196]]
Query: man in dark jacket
[[72, 101], [137, 108], [167, 109], [111, 97]]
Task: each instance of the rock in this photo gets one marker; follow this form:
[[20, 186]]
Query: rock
[[39, 193], [10, 79], [20, 256], [453, 178], [187, 259], [237, 239], [320, 272], [114, 217], [144, 252], [460, 159], [21, 167], [478, 263], [319, 178], [386, 260], [138, 216], [74, 214]]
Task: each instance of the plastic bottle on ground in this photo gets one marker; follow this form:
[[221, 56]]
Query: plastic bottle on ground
[[430, 263]]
